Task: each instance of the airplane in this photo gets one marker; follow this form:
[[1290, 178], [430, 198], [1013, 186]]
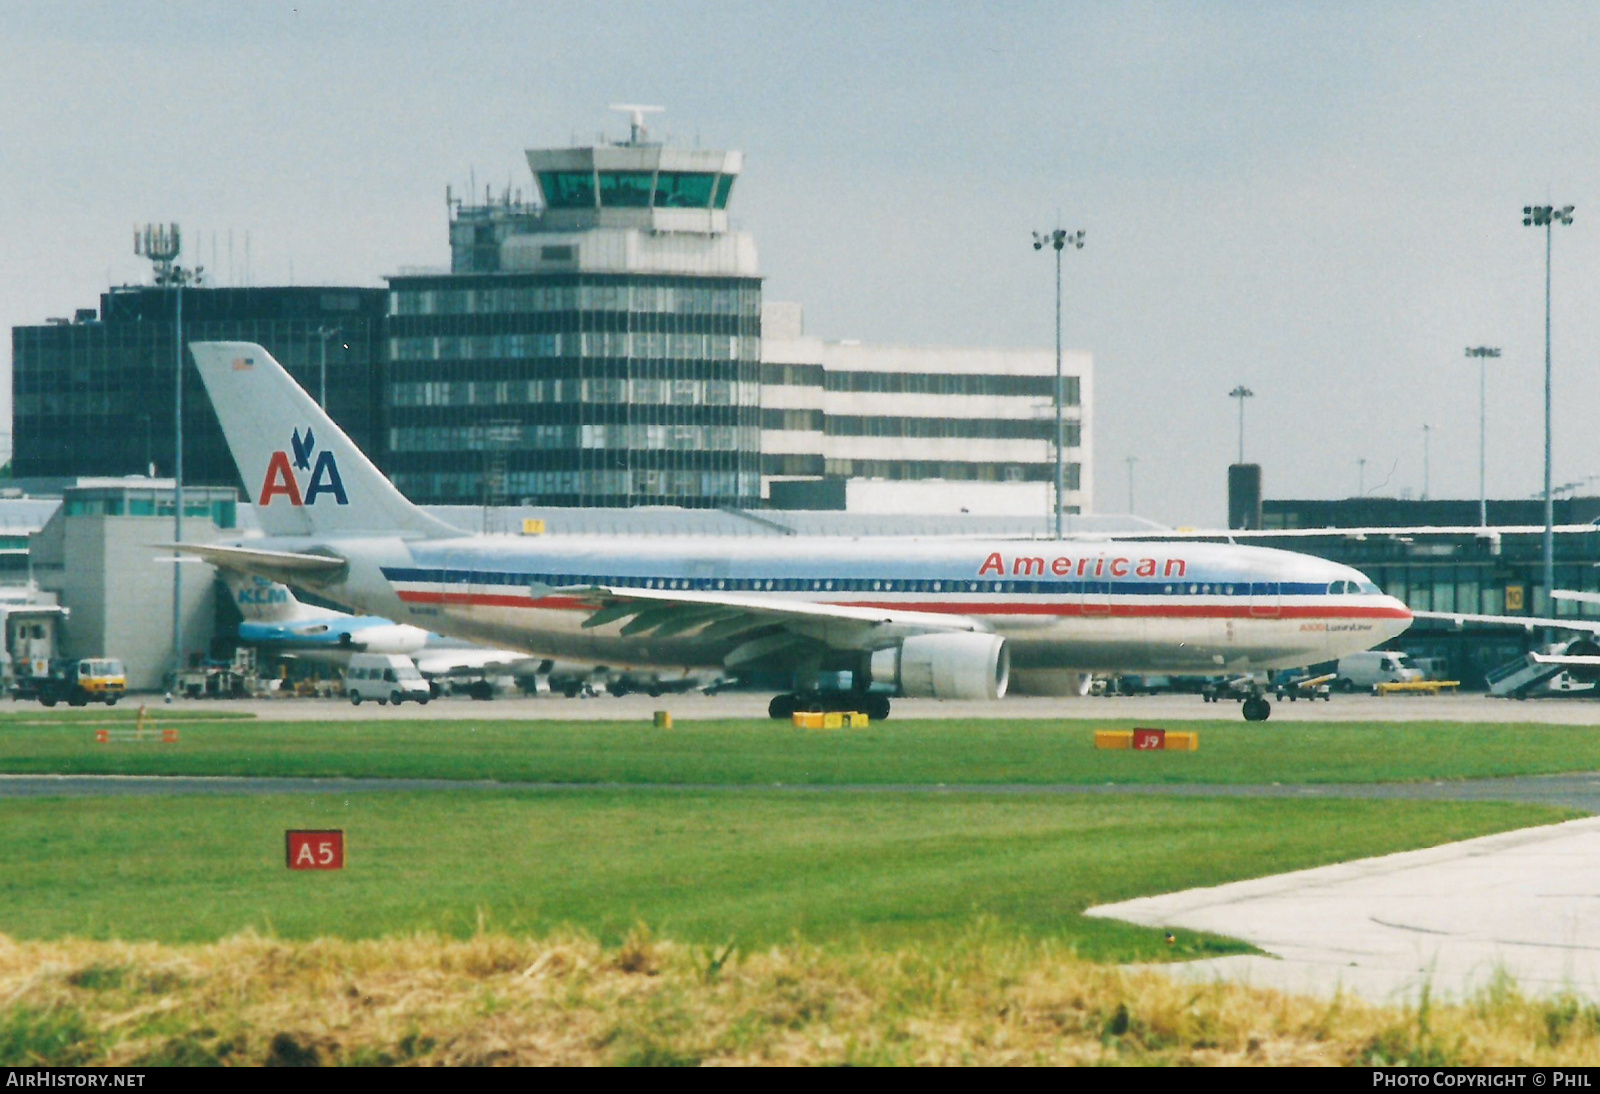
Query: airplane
[[276, 620], [921, 618]]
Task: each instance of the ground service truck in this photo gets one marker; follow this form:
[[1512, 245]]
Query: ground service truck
[[76, 683]]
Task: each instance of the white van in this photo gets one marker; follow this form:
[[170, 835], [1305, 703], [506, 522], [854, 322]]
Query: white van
[[1363, 670], [386, 677]]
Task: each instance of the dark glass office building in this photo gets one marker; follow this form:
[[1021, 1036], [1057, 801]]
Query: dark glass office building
[[601, 347], [609, 389], [94, 395]]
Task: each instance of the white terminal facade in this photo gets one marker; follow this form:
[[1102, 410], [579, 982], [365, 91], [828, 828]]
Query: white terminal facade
[[608, 345], [923, 429]]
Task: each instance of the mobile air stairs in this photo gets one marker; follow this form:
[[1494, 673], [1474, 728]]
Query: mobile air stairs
[[1515, 679]]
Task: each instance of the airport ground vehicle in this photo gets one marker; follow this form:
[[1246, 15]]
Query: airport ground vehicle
[[1360, 671], [385, 677], [76, 683]]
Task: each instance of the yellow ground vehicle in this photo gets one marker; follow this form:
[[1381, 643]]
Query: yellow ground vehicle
[[77, 683]]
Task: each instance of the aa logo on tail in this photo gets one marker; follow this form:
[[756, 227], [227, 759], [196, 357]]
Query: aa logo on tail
[[281, 480]]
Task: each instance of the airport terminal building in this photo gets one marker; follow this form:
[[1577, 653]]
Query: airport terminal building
[[93, 394], [604, 345]]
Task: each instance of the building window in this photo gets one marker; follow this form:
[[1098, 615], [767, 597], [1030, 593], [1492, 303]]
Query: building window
[[567, 189]]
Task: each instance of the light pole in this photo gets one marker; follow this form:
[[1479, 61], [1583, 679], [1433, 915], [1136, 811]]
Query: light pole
[[323, 334], [1361, 476], [1058, 240], [1241, 393], [1482, 353], [1131, 461], [161, 244], [1546, 217]]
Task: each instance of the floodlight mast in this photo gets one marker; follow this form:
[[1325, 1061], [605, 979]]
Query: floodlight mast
[[1058, 240], [1547, 217], [1241, 393], [161, 244], [1483, 353]]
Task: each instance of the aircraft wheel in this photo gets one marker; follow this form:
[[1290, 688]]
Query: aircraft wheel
[[876, 707], [782, 707], [1257, 709]]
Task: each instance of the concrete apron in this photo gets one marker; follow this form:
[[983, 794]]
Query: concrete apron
[[1450, 917]]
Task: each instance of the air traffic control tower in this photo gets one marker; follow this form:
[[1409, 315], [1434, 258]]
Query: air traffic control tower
[[599, 346]]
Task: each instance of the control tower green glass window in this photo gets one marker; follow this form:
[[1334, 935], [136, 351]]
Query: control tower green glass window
[[724, 188], [567, 189], [681, 190], [629, 189]]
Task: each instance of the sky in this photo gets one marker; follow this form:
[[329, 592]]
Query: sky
[[1320, 201]]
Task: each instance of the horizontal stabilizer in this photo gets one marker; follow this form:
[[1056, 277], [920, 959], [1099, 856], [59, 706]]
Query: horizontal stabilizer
[[288, 567]]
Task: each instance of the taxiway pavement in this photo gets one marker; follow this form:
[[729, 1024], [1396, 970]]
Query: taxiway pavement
[[739, 704], [1522, 904]]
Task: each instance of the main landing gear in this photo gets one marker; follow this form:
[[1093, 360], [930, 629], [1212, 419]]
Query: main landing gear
[[784, 707]]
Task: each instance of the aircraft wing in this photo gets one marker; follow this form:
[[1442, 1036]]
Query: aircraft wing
[[763, 626], [1569, 660], [444, 662], [1528, 622]]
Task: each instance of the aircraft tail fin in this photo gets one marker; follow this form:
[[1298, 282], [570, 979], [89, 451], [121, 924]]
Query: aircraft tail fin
[[260, 600], [306, 477]]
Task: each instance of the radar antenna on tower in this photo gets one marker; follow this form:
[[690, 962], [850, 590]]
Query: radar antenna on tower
[[638, 133]]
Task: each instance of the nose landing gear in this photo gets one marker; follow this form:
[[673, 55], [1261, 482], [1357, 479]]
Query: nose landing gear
[[1257, 708]]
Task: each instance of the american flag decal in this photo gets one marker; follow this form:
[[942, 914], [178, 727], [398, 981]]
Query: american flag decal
[[240, 364]]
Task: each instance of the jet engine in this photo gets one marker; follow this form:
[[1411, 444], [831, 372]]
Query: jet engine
[[1583, 647], [945, 666]]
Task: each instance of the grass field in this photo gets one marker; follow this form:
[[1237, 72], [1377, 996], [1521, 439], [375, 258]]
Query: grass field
[[495, 999], [763, 752], [747, 867], [657, 925]]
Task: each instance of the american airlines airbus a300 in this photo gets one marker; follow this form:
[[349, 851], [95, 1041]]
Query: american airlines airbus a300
[[943, 619]]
